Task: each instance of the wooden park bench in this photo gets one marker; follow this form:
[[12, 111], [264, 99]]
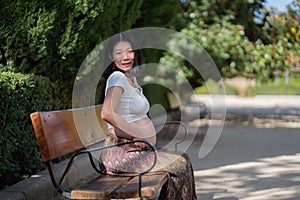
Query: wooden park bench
[[81, 131]]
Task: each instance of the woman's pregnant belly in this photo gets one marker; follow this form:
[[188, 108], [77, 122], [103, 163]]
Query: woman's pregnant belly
[[144, 127]]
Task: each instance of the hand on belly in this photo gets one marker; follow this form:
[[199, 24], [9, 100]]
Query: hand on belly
[[146, 130]]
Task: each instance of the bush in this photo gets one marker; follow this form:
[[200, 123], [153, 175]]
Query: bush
[[228, 44], [20, 96], [210, 87], [52, 38]]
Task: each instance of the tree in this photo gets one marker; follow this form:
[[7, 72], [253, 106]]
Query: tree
[[251, 14], [52, 38], [283, 30], [223, 36], [156, 13]]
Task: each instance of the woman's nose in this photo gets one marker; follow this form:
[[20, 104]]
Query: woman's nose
[[125, 55]]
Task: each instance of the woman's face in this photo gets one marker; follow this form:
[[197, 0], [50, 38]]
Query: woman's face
[[123, 56]]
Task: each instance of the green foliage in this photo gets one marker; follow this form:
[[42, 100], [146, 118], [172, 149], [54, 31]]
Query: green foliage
[[227, 43], [247, 13], [55, 37], [157, 13], [283, 26], [160, 98], [210, 87], [52, 38], [20, 96]]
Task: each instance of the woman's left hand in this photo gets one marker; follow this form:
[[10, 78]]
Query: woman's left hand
[[141, 145]]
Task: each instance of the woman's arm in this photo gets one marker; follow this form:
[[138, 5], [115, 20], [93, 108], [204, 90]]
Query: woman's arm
[[122, 128]]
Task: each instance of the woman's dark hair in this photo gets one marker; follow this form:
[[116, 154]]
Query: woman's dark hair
[[108, 63]]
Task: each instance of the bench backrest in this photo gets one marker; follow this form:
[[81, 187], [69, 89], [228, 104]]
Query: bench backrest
[[64, 131]]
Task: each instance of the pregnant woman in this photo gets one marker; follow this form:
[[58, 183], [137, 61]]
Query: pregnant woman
[[125, 110]]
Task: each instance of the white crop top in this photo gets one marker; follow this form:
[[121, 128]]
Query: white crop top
[[133, 104]]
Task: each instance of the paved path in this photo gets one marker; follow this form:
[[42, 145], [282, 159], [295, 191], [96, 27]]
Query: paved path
[[257, 160]]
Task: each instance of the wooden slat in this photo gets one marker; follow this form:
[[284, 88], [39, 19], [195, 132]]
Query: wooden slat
[[151, 184], [65, 131], [38, 130], [99, 188], [60, 133], [118, 187]]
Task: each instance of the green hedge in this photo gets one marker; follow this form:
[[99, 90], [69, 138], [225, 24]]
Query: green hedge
[[21, 95], [52, 38]]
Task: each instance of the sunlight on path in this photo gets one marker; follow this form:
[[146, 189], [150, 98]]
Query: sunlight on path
[[275, 178]]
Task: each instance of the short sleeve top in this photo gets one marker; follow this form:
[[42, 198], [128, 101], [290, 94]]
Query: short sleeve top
[[133, 104]]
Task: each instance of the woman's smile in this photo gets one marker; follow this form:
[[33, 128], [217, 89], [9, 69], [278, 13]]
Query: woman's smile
[[123, 56], [127, 64]]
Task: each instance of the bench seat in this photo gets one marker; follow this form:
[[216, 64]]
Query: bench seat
[[71, 132], [120, 187]]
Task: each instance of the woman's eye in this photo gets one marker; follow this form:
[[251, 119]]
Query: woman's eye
[[121, 53]]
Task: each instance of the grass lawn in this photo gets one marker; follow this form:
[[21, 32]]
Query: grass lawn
[[279, 87]]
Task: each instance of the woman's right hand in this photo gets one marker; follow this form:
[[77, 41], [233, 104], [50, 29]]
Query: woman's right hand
[[143, 145]]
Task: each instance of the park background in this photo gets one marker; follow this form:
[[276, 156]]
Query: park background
[[43, 44]]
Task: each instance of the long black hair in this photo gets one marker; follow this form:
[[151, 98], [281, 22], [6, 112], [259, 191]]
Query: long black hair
[[139, 62]]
